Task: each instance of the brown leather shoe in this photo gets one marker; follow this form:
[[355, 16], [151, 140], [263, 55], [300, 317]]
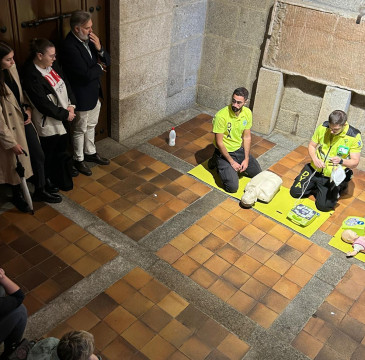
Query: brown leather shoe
[[82, 167]]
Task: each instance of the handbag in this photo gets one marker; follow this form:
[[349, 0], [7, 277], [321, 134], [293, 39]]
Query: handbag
[[22, 349]]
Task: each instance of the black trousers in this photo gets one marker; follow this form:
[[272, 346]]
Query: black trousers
[[52, 146], [325, 192], [228, 175], [36, 156]]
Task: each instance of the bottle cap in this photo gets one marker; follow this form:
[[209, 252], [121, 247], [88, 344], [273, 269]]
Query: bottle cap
[[173, 128]]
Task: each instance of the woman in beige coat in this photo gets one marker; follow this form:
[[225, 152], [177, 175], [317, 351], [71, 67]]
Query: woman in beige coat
[[17, 133]]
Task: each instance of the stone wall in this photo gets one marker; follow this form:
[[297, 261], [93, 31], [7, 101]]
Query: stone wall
[[156, 51]]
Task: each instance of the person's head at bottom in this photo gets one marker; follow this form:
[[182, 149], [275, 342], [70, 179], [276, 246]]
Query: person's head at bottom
[[76, 345]]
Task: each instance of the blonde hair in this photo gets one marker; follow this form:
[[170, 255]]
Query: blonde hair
[[76, 345]]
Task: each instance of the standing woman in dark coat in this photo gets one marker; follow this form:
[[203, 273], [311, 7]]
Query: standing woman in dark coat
[[13, 108], [53, 102]]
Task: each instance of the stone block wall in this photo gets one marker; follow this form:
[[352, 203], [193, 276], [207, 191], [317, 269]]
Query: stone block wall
[[156, 51]]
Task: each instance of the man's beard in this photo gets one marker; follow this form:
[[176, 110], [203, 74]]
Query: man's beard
[[235, 109], [82, 36]]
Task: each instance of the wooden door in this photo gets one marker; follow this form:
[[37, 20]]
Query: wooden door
[[23, 20]]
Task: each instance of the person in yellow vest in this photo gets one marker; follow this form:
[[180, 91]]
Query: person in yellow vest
[[232, 141], [334, 144]]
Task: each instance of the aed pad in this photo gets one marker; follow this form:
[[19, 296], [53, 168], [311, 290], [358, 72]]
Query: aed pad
[[354, 223], [302, 215]]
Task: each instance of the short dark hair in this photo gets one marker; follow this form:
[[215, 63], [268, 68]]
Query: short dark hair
[[76, 345], [5, 50], [79, 17], [241, 91], [39, 46], [337, 117]]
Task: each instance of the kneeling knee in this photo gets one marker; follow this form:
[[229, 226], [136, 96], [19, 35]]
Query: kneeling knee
[[230, 188]]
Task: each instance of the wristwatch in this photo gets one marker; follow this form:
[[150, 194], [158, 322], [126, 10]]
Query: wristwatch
[[341, 162]]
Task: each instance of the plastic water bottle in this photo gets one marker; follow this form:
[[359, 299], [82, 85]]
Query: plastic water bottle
[[172, 137]]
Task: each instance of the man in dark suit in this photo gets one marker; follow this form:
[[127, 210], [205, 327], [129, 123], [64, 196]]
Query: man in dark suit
[[84, 61]]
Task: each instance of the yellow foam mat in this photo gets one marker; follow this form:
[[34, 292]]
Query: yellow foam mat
[[277, 208], [337, 243]]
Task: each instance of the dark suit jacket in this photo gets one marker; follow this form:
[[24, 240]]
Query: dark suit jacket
[[82, 71]]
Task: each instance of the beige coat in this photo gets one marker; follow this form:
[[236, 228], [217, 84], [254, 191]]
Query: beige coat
[[12, 133]]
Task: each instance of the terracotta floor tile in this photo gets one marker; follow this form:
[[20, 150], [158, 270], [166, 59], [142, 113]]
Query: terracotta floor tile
[[259, 253], [182, 243], [45, 214], [52, 266], [254, 288], [32, 304], [247, 215], [98, 172], [289, 254], [358, 312], [262, 315], [9, 234], [208, 223], [222, 289], [319, 329], [299, 242], [163, 196], [340, 301], [137, 304], [83, 319], [229, 253], [47, 291], [103, 253], [86, 265], [186, 265], [70, 254], [200, 254], [241, 302], [159, 167], [88, 243], [230, 205], [318, 253], [270, 243], [22, 244], [120, 349], [158, 349], [188, 196], [136, 232], [200, 189], [59, 223], [7, 254], [308, 264], [233, 347], [147, 174], [213, 242], [121, 204], [169, 253], [28, 223], [67, 277], [247, 264], [278, 264], [120, 291], [60, 330], [235, 223], [330, 314], [163, 213], [267, 276], [195, 349], [196, 233], [103, 335], [93, 204], [275, 301], [287, 288], [175, 333], [235, 276], [212, 333], [252, 233], [217, 265], [342, 343], [135, 213], [220, 214], [149, 204], [356, 274], [241, 243], [298, 275], [16, 266], [175, 189], [353, 328], [307, 344], [137, 278], [173, 304], [94, 188], [148, 188], [73, 233], [224, 232], [177, 205], [107, 213], [31, 279], [35, 255], [156, 318], [154, 291], [263, 223], [108, 180], [185, 181]]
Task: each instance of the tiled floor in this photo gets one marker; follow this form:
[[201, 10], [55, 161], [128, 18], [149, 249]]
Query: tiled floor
[[194, 141], [249, 261], [47, 253], [136, 193], [337, 329], [352, 202], [139, 318]]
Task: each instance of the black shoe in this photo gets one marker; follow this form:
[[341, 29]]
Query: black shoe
[[212, 162], [96, 158], [43, 195], [51, 188], [82, 168], [74, 172], [20, 203]]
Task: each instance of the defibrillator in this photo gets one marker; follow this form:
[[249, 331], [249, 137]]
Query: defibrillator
[[302, 215], [354, 223]]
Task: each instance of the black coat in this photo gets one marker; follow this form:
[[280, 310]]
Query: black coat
[[37, 89], [83, 71]]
